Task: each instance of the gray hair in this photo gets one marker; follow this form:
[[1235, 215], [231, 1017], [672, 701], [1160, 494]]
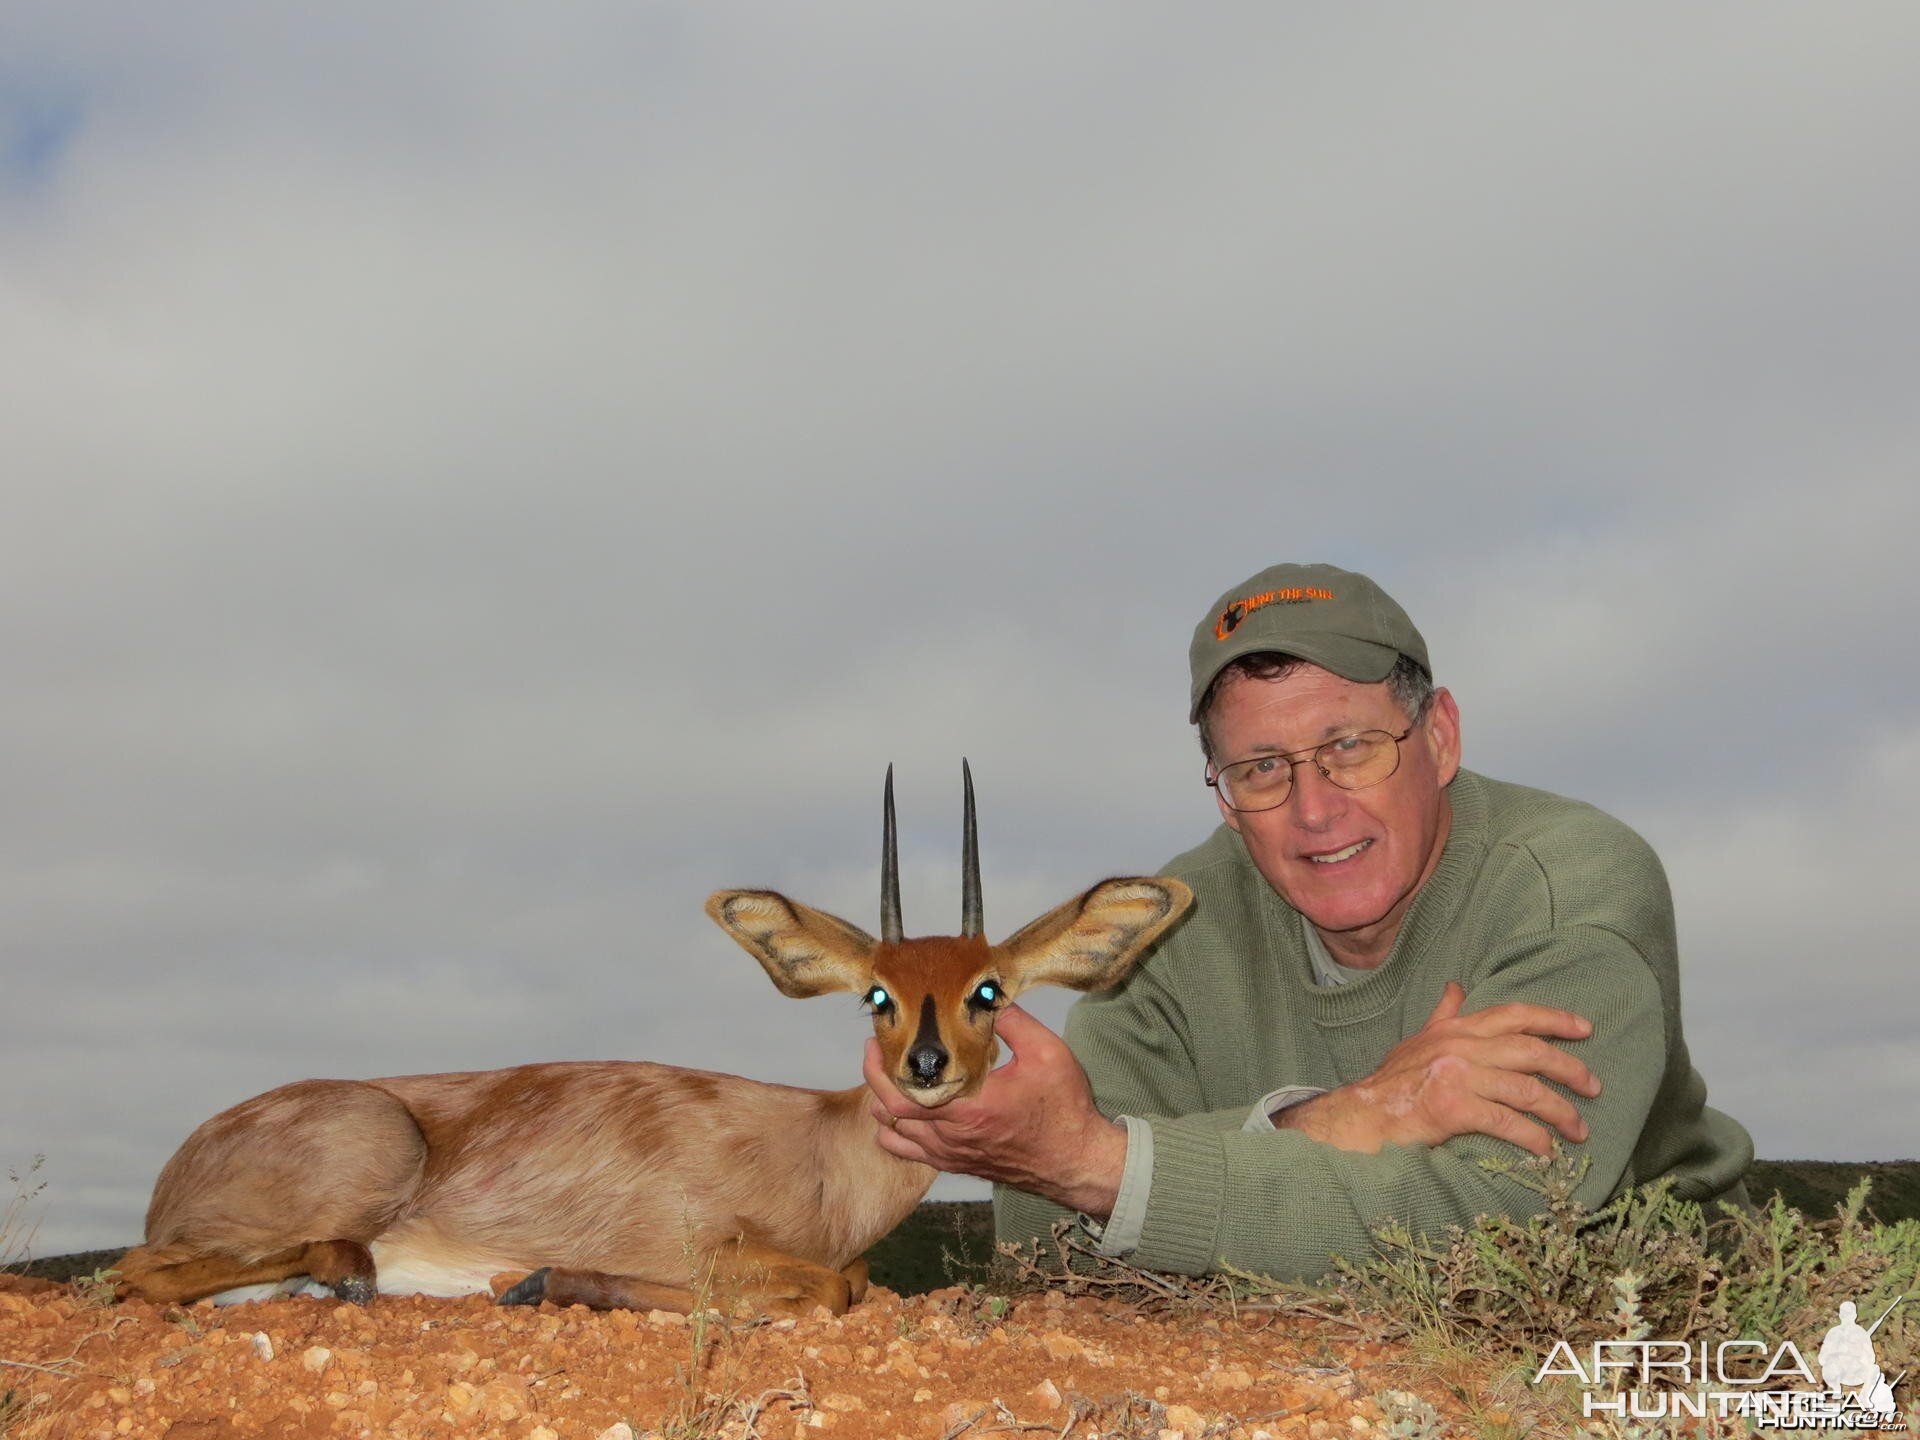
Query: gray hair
[[1410, 686]]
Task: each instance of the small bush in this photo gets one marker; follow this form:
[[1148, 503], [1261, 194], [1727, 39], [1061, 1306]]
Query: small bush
[[17, 1224], [1643, 1266]]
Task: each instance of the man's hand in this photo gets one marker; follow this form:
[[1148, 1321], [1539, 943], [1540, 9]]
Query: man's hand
[[1478, 1074], [1032, 1124]]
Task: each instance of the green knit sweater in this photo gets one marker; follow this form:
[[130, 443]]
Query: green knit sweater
[[1536, 898]]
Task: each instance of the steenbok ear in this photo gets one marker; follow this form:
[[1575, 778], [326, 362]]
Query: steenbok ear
[[804, 951], [1092, 941]]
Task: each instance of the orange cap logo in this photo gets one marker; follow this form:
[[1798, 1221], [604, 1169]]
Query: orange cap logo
[[1231, 617]]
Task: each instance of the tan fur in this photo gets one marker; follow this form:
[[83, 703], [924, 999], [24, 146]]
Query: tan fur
[[638, 1183]]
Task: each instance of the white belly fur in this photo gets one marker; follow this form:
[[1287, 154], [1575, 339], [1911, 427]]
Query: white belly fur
[[399, 1272], [272, 1290], [402, 1273]]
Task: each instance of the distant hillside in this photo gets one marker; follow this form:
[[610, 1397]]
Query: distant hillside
[[944, 1242], [1816, 1186]]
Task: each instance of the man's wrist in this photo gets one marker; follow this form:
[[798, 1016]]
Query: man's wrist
[[1338, 1118], [1267, 1110], [1095, 1185]]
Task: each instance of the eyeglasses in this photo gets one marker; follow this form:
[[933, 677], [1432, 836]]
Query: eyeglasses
[[1353, 762]]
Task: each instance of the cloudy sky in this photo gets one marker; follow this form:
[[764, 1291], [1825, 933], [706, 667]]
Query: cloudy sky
[[479, 478]]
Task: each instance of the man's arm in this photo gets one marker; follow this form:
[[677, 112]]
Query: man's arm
[[1483, 1073], [1142, 1022], [1282, 1204], [1479, 1074], [1135, 1040]]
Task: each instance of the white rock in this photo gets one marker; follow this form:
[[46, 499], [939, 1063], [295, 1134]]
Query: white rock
[[262, 1346]]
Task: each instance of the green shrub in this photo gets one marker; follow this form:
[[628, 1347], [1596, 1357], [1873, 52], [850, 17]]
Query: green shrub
[[1644, 1265]]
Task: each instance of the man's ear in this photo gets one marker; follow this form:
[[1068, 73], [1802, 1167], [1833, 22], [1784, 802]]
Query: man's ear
[[804, 951], [1443, 734], [1092, 941]]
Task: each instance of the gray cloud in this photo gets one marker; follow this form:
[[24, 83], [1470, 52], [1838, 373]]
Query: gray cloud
[[477, 483]]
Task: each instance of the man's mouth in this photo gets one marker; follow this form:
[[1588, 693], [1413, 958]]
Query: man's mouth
[[1335, 857]]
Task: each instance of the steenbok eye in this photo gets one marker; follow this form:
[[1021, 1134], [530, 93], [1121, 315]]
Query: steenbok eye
[[985, 995], [878, 999]]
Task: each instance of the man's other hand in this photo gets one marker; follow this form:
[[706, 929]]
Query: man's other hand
[[1478, 1074], [1031, 1125]]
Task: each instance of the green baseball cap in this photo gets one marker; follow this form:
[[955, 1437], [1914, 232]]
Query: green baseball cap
[[1333, 618]]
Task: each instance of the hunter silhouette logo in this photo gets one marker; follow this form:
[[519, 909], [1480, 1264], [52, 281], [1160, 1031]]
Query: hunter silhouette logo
[[1847, 1362], [1231, 617], [1771, 1386]]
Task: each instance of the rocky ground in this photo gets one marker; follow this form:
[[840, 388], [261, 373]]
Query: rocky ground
[[941, 1366]]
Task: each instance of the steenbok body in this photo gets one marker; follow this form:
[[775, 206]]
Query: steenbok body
[[626, 1183]]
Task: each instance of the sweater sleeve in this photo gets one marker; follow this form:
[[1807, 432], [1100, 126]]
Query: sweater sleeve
[[1282, 1205], [1134, 1045]]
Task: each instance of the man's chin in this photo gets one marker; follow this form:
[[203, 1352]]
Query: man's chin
[[1341, 914]]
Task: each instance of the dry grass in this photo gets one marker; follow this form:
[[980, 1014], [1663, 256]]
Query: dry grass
[[1479, 1309], [17, 1222]]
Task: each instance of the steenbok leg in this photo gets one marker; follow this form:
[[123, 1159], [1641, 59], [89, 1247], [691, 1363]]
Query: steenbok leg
[[176, 1276], [739, 1275], [298, 1181]]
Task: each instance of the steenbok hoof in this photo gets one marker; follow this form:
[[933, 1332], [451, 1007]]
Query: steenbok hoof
[[530, 1291], [356, 1290]]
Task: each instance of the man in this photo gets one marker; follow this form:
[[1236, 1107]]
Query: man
[[1366, 998]]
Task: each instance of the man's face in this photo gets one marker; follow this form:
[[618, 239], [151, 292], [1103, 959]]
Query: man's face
[[1399, 826]]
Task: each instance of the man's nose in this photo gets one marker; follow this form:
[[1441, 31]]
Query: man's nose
[[1317, 801]]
